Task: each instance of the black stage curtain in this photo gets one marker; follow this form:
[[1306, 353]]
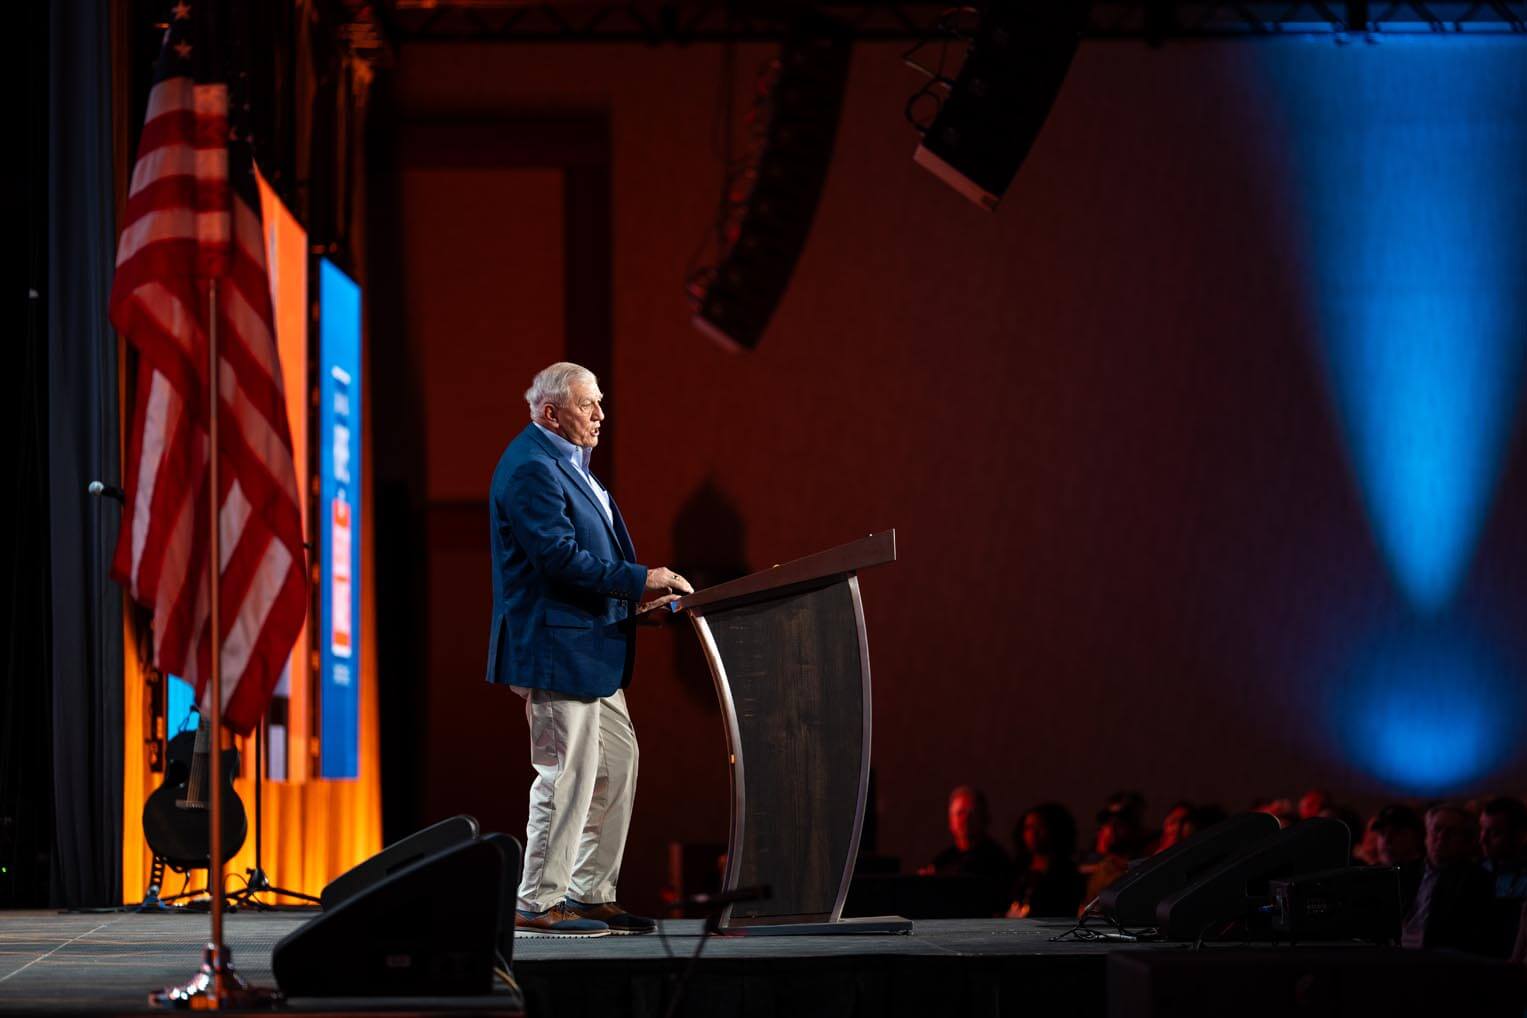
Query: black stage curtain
[[26, 784], [83, 435]]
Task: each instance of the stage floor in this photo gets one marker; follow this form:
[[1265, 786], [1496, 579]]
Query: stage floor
[[107, 963]]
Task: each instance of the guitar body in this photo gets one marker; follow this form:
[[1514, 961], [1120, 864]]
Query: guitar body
[[181, 835]]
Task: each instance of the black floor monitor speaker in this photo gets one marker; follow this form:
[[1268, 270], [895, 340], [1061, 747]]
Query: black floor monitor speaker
[[430, 929], [399, 855], [1237, 888], [1132, 899], [1011, 76], [508, 891]]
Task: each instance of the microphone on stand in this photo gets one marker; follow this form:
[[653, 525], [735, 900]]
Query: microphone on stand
[[98, 489]]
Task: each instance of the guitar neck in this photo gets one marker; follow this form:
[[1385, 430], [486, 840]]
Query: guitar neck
[[201, 766]]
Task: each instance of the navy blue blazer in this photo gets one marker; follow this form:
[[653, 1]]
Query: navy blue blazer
[[565, 579]]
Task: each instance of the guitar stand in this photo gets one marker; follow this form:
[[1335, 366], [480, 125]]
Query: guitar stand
[[156, 901], [256, 882], [259, 884], [151, 901]]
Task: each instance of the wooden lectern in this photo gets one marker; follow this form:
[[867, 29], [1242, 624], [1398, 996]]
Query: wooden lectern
[[789, 653]]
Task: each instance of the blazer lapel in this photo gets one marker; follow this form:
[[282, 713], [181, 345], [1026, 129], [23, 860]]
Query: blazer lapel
[[578, 484]]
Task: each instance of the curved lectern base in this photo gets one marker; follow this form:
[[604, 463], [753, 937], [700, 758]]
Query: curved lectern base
[[788, 650]]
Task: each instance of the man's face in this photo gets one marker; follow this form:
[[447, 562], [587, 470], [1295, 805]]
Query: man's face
[[1449, 838], [965, 820], [578, 420], [1499, 839]]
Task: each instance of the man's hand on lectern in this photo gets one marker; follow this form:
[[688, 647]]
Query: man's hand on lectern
[[654, 612], [663, 580]]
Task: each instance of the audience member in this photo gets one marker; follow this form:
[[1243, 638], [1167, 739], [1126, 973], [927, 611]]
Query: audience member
[[973, 851], [1452, 908], [1120, 838], [1401, 843], [1202, 818], [1048, 885], [1282, 809], [1503, 843], [1171, 825], [1314, 803], [1365, 852]]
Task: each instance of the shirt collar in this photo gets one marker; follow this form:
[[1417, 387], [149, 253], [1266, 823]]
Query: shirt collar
[[577, 453]]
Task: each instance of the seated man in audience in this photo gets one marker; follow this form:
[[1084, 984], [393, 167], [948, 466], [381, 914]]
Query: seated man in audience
[[1402, 843], [1453, 902], [1120, 838], [974, 852], [1503, 843]]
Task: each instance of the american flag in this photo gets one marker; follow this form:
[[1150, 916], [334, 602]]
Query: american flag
[[193, 215]]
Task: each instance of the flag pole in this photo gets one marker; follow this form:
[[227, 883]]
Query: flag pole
[[217, 985], [215, 679]]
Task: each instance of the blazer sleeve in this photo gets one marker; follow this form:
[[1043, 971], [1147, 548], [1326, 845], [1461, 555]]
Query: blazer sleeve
[[537, 513]]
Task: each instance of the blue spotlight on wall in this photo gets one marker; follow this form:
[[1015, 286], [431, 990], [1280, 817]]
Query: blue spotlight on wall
[[1429, 710], [1412, 157]]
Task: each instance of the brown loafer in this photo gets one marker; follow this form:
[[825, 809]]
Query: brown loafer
[[558, 921], [611, 914]]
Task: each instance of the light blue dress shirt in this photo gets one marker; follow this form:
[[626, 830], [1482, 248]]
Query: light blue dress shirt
[[578, 457]]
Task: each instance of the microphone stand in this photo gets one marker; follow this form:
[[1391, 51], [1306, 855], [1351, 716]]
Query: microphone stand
[[152, 899], [258, 883]]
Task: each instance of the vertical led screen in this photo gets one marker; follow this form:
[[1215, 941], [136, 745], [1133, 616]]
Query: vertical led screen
[[286, 255], [339, 519]]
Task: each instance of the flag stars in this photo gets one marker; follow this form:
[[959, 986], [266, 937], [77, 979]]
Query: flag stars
[[182, 10], [183, 50]]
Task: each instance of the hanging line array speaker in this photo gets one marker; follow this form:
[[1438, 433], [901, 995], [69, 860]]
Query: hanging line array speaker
[[1012, 73], [765, 238]]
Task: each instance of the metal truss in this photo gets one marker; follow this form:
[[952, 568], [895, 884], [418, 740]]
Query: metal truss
[[684, 22]]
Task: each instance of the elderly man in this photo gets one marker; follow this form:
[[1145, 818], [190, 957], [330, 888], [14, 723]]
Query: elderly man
[[1452, 906], [565, 580], [973, 852]]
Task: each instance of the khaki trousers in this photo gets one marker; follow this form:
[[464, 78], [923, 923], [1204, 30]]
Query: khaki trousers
[[584, 754]]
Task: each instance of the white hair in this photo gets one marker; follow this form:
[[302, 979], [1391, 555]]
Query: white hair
[[555, 384]]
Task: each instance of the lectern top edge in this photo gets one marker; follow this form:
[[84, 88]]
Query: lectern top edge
[[874, 550]]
